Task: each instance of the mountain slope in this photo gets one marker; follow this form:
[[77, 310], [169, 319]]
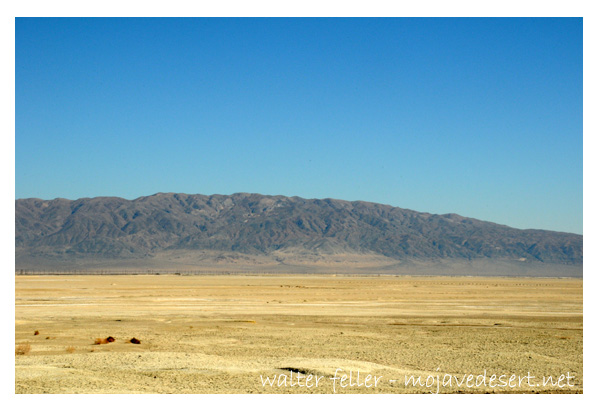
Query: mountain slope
[[263, 229]]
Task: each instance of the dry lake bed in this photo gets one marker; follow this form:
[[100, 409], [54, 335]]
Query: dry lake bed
[[297, 334]]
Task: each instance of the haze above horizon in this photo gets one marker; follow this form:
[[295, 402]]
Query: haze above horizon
[[480, 117]]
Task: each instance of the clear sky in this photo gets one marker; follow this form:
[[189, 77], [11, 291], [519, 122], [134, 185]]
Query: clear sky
[[480, 117]]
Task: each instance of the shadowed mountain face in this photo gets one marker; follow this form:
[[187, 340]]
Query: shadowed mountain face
[[273, 228]]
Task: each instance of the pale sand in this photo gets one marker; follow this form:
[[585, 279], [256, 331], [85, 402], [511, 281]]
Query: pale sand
[[219, 334]]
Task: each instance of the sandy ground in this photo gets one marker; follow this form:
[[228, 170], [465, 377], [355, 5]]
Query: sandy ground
[[227, 334]]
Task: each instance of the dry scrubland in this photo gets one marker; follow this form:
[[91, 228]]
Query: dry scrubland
[[219, 334]]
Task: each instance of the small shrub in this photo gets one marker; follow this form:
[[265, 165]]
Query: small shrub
[[70, 349], [22, 349], [134, 341], [99, 341], [36, 332]]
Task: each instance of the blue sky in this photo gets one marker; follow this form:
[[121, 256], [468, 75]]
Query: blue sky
[[480, 117]]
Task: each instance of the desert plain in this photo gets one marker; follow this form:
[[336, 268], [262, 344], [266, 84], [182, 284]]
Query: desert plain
[[285, 333]]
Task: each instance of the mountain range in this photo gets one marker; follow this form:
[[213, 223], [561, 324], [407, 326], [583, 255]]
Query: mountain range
[[253, 232]]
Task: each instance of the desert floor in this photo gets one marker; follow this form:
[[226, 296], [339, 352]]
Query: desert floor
[[226, 334]]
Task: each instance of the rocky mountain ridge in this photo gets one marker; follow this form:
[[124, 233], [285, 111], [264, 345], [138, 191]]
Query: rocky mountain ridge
[[267, 228]]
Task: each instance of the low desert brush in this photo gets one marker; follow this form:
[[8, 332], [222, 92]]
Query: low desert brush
[[99, 341], [22, 349]]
